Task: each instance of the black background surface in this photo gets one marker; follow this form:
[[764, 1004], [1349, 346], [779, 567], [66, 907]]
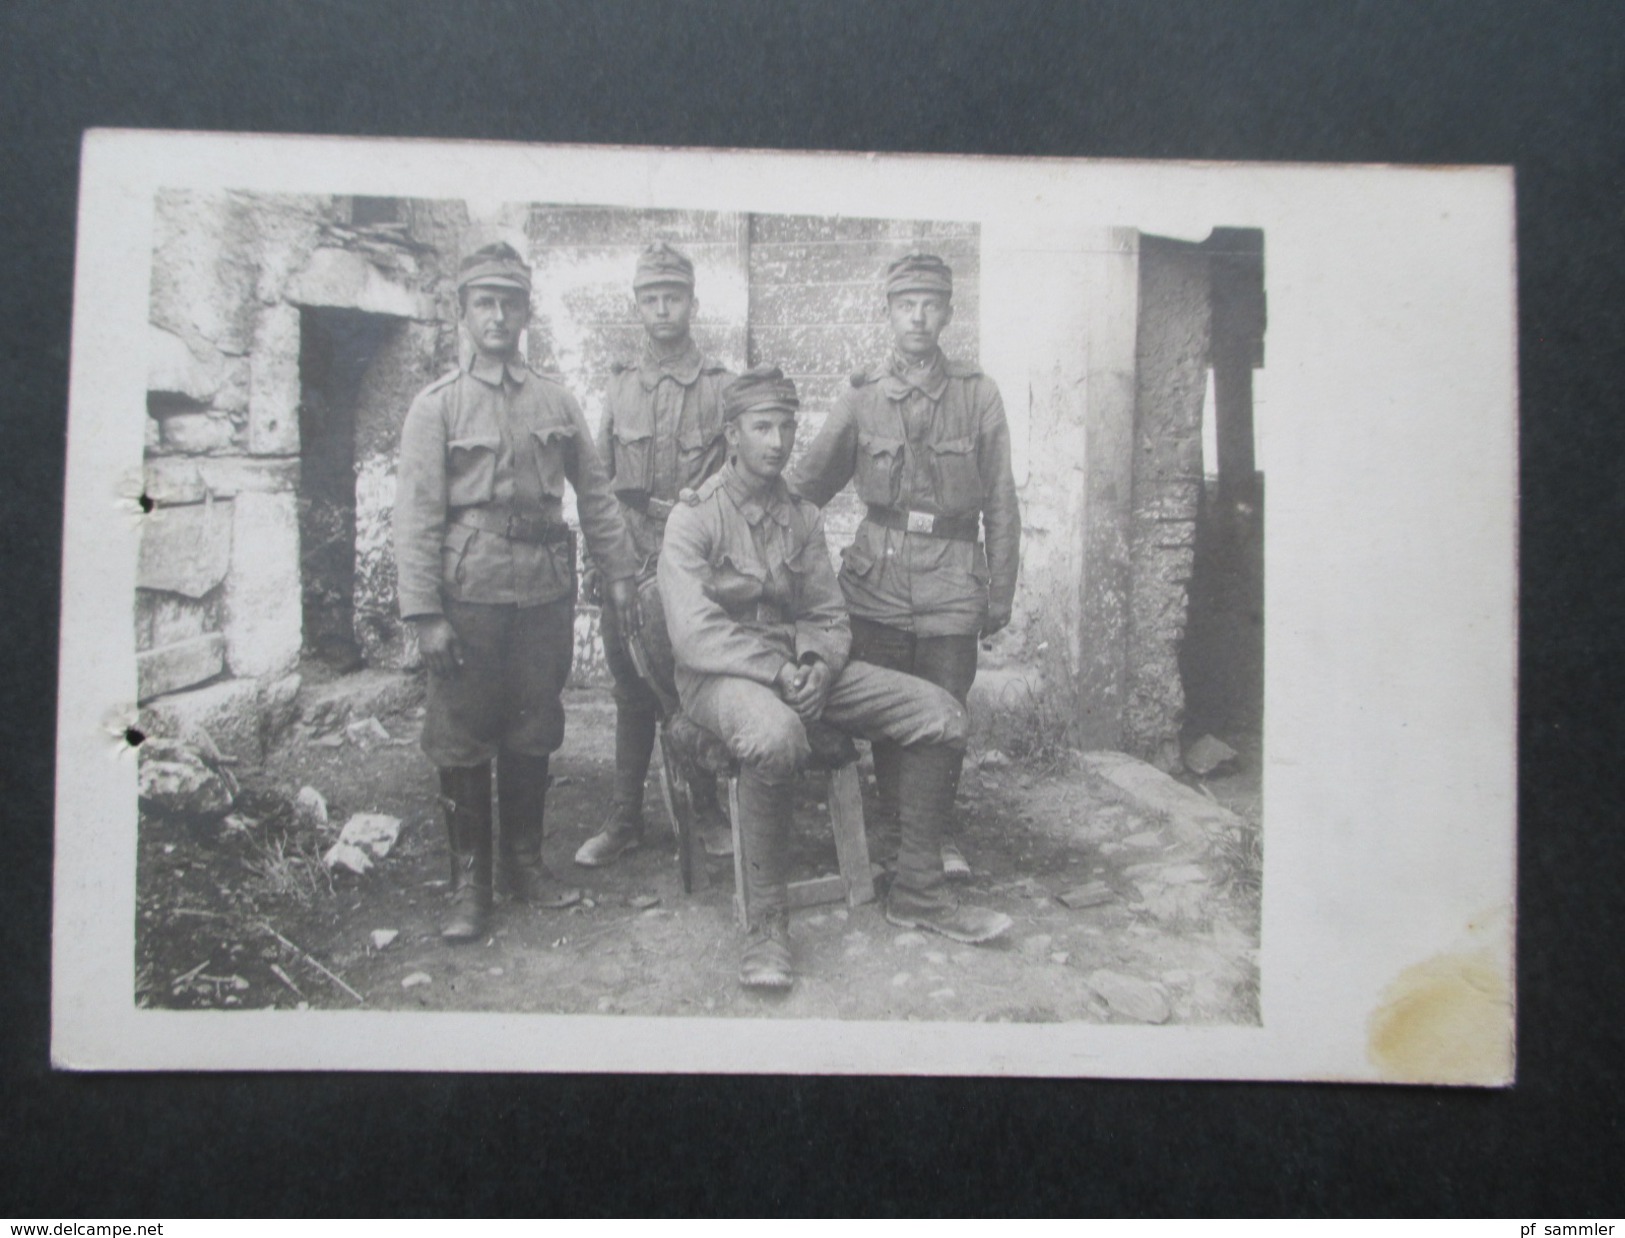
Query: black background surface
[[1538, 86]]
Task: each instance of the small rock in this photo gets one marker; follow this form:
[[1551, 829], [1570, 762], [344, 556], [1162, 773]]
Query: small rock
[[181, 778], [814, 921], [331, 740], [347, 855], [1038, 943], [992, 759], [1208, 755], [416, 979], [237, 822], [1060, 957], [375, 831], [589, 903], [311, 808], [1130, 996], [908, 940], [643, 902], [1090, 894], [366, 732], [900, 979], [382, 937]]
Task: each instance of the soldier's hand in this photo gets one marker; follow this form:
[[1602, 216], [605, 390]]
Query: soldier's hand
[[998, 618], [809, 689], [437, 639], [623, 597], [592, 586]]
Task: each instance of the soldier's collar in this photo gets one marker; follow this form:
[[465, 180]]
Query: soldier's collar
[[684, 367], [490, 371], [902, 376], [774, 501]]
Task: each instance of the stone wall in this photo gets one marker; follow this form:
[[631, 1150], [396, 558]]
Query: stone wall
[[1172, 356]]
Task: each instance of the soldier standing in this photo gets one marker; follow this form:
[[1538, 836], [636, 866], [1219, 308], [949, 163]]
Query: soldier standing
[[662, 434], [487, 579], [761, 640], [933, 565]]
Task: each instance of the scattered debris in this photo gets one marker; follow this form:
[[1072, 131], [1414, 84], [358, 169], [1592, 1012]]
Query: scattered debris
[[276, 970], [334, 977], [1208, 755], [310, 808], [416, 980], [347, 855], [381, 938], [1089, 894], [375, 831], [1130, 996], [364, 733]]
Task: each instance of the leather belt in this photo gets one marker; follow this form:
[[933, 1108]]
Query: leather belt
[[533, 527], [655, 509], [959, 528]]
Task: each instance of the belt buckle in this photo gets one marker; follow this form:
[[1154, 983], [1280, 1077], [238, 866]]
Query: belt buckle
[[524, 527], [921, 522]]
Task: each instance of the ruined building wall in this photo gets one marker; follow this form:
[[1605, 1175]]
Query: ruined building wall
[[1172, 355]]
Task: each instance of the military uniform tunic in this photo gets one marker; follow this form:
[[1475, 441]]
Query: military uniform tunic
[[746, 583], [662, 434], [480, 539], [933, 442]]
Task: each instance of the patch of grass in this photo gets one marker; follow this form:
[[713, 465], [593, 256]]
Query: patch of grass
[[290, 866], [1043, 729], [1239, 857]]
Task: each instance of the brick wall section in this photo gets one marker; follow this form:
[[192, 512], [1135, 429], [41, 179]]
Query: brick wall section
[[1172, 353], [818, 308], [583, 259]]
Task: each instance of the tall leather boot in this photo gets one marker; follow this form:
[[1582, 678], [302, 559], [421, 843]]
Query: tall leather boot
[[634, 745], [883, 840], [522, 783], [465, 792], [919, 897], [764, 816]]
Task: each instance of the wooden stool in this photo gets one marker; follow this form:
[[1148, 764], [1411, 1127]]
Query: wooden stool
[[688, 749], [689, 752]]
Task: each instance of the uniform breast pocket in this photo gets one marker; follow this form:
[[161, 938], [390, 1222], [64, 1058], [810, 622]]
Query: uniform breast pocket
[[634, 458], [471, 470], [880, 469], [694, 448], [550, 444], [733, 583], [953, 468]]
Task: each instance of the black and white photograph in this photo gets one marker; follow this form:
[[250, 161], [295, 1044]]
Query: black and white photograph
[[591, 609]]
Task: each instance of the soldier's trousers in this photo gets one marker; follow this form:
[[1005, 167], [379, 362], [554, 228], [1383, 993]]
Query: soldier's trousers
[[516, 660], [947, 661], [767, 737]]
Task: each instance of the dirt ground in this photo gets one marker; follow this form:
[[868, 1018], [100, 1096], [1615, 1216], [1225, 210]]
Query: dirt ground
[[242, 914]]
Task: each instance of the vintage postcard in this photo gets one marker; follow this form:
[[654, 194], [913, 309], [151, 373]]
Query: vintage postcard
[[584, 609]]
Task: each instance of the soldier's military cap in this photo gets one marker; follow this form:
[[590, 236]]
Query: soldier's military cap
[[919, 273], [760, 387], [661, 264], [494, 266]]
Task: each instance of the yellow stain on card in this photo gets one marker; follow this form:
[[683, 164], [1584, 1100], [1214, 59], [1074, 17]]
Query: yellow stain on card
[[1446, 1020]]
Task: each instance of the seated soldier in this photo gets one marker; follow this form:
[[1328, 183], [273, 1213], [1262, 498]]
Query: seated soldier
[[760, 634]]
